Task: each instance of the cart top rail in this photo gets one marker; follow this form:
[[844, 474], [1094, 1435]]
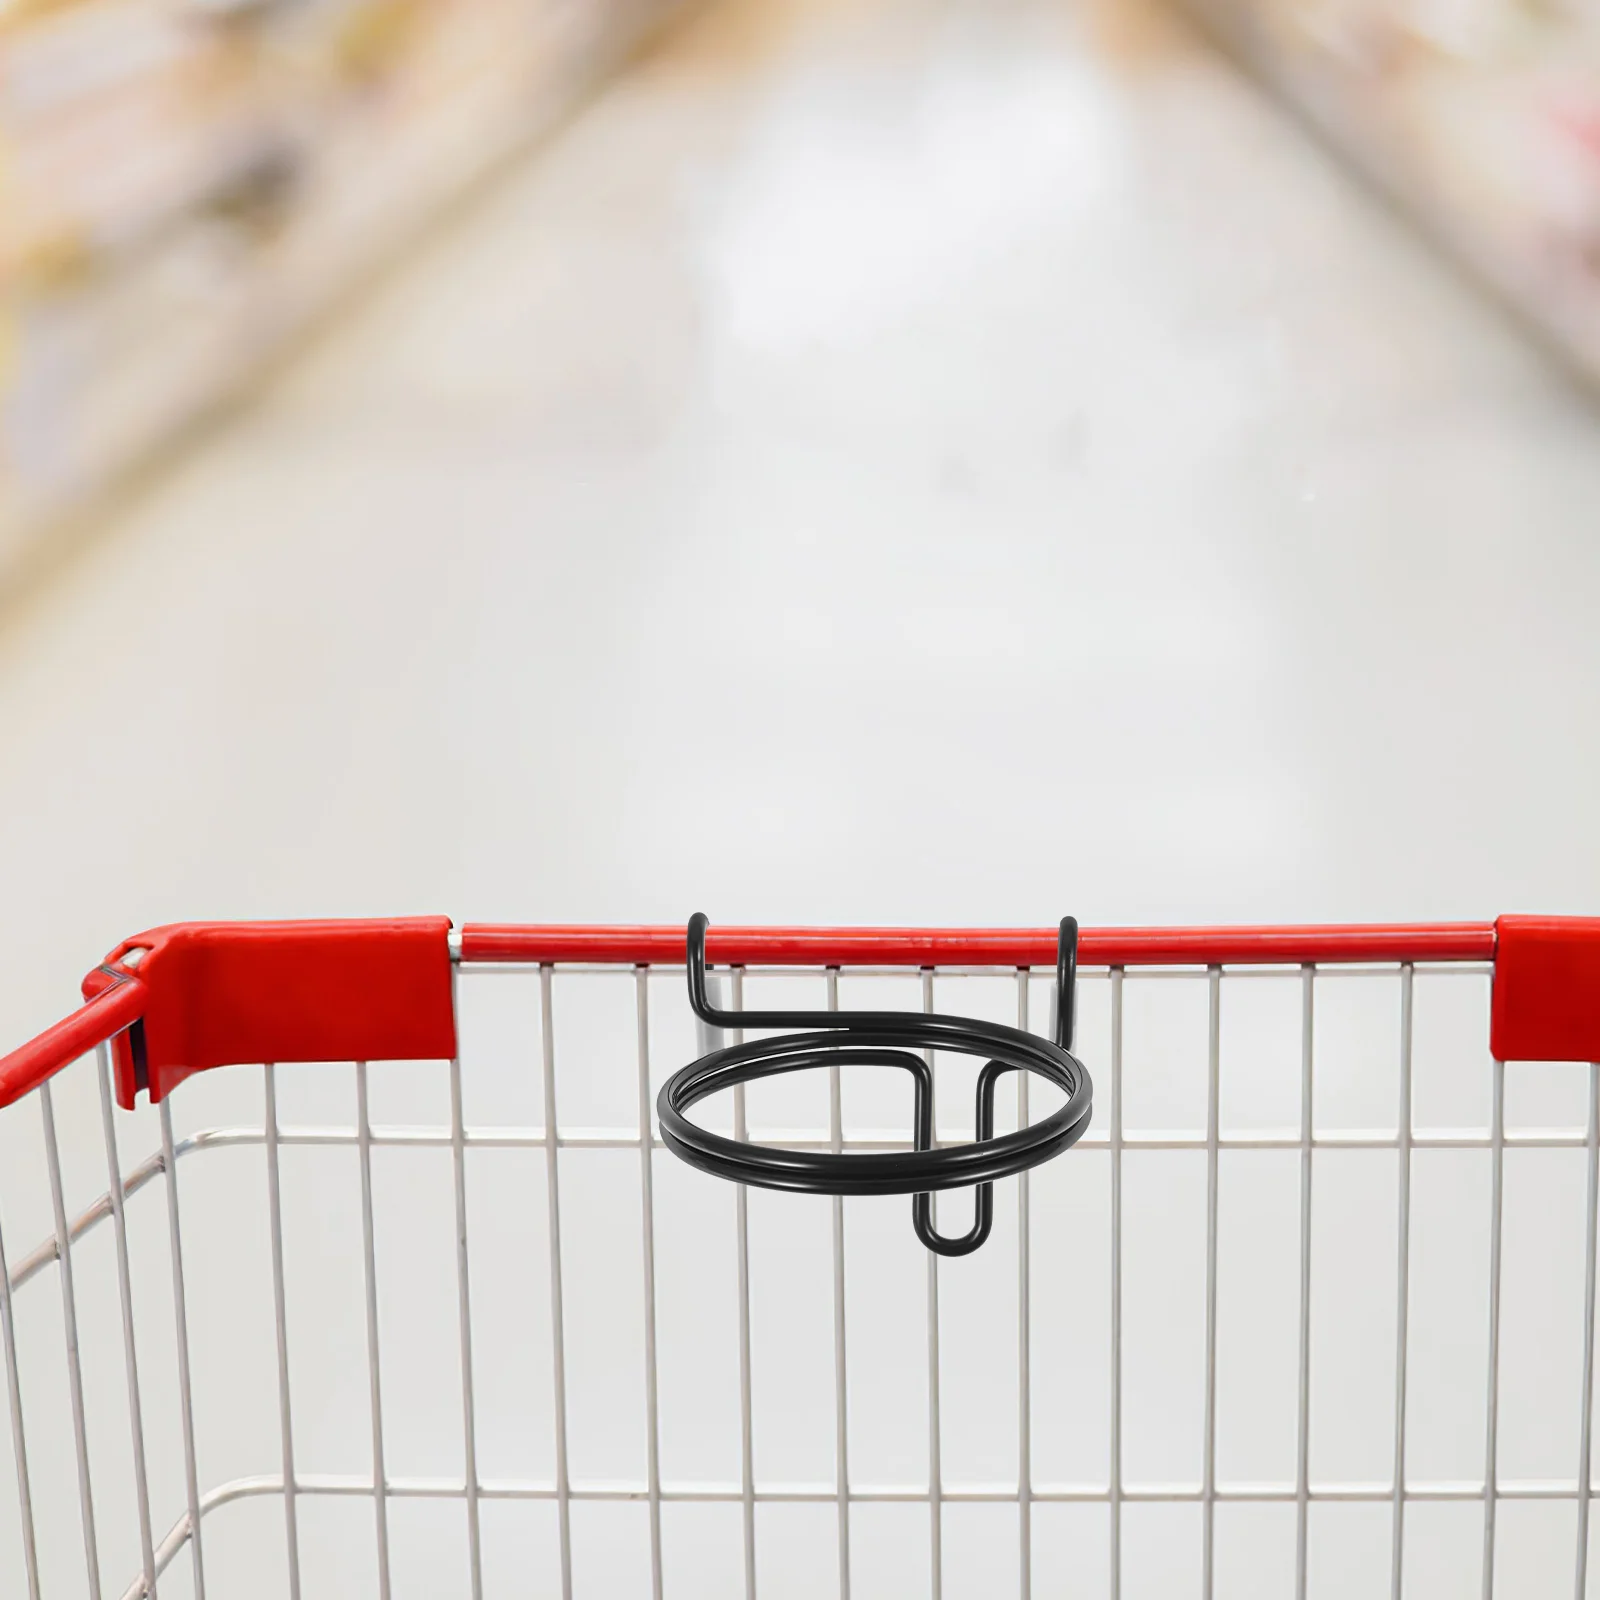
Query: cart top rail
[[190, 996]]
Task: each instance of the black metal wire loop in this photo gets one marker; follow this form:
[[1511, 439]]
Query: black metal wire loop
[[883, 1039]]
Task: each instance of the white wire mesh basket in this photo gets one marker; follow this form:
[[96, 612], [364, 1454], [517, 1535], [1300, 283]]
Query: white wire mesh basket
[[418, 1305]]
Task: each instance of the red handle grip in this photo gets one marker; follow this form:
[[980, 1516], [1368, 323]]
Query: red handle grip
[[100, 1019], [210, 993]]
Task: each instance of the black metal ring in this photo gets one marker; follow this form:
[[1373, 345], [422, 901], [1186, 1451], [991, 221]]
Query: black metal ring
[[883, 1038]]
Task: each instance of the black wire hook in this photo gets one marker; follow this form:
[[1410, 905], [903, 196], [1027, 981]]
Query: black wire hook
[[884, 1038]]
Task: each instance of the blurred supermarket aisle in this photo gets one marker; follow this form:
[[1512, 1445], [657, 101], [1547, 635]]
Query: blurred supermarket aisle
[[185, 184], [906, 459]]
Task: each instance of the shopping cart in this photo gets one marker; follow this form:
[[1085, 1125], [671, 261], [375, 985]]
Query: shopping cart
[[1309, 1310]]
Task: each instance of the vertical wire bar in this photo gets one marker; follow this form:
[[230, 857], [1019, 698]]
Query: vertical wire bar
[[1402, 1302], [1116, 1284], [469, 1409], [69, 1317], [180, 1316], [647, 1210], [380, 1471], [558, 1338], [1024, 1341], [1497, 1164], [935, 1454], [119, 1228], [291, 1520], [1302, 1475], [1586, 1420], [19, 1441], [1208, 1488], [741, 1206], [841, 1402]]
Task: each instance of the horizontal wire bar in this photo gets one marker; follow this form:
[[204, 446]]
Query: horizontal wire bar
[[827, 1493], [40, 1257], [534, 1137]]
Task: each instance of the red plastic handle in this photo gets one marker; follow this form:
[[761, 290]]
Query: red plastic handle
[[195, 995], [1546, 989], [114, 1008]]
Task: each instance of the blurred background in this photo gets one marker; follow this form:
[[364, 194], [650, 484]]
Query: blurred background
[[184, 185], [953, 462]]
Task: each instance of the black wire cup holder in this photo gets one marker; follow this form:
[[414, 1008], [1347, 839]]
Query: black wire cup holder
[[883, 1039]]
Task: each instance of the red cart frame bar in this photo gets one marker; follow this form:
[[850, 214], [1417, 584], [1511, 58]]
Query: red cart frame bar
[[987, 947], [191, 996]]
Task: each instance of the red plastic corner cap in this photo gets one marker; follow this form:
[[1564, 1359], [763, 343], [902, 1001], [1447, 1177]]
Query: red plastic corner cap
[[221, 993], [1546, 989]]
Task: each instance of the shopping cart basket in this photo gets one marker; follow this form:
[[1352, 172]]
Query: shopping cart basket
[[1309, 1310]]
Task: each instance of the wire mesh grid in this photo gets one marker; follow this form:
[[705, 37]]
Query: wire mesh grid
[[1247, 1339]]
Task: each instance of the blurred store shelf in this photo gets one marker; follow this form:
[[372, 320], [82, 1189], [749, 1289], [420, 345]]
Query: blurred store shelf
[[184, 182], [1482, 117]]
